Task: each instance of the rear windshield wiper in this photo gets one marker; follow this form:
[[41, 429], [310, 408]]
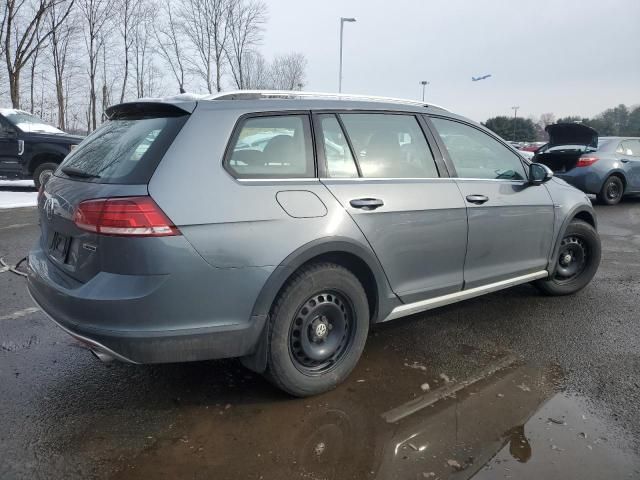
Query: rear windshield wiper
[[76, 172]]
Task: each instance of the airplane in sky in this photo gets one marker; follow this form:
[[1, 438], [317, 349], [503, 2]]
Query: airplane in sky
[[475, 79]]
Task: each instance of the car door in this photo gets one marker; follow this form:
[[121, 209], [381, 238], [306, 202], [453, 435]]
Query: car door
[[380, 168], [10, 148], [510, 220], [629, 155]]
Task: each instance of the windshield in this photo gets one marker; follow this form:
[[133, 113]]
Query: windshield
[[122, 151], [27, 122]]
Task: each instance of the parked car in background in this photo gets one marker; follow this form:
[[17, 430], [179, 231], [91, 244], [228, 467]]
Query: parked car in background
[[532, 147], [31, 148], [166, 240], [608, 167]]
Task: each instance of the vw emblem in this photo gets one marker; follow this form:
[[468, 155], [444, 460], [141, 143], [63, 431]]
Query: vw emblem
[[48, 208], [321, 330]]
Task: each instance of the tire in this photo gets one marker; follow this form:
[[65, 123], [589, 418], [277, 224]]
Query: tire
[[574, 272], [298, 360], [612, 190], [42, 173]]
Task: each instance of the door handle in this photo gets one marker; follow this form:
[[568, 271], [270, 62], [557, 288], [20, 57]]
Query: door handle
[[366, 203], [624, 160], [477, 199]]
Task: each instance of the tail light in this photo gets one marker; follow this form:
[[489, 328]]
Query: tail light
[[586, 161], [124, 216]]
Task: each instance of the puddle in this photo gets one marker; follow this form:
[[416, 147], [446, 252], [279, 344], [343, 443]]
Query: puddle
[[562, 440], [493, 426]]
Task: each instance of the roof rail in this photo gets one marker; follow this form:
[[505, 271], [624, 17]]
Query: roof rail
[[298, 94]]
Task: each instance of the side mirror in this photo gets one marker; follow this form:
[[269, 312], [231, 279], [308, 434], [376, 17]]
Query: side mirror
[[539, 173]]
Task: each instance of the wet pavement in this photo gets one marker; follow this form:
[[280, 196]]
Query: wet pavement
[[510, 385]]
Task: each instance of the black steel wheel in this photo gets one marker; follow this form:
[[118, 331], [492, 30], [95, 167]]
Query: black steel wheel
[[612, 190], [321, 332], [317, 329], [577, 260], [572, 258]]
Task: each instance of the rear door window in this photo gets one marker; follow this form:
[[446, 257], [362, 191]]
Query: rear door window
[[630, 148], [477, 155], [272, 146], [125, 151], [389, 145], [340, 162]]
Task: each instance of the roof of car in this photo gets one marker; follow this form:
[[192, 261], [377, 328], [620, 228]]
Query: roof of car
[[297, 100]]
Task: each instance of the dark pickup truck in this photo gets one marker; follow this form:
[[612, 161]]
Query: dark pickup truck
[[30, 148]]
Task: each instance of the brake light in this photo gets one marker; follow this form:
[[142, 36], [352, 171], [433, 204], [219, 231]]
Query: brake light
[[124, 216], [586, 161]]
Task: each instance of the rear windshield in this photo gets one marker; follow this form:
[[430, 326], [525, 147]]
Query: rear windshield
[[122, 151]]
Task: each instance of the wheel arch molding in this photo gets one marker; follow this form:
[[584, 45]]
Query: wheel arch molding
[[579, 212], [340, 250]]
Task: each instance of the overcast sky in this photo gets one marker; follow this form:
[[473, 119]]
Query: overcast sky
[[561, 56]]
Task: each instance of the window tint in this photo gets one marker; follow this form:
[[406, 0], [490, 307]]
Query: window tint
[[273, 147], [630, 147], [477, 155], [124, 151], [389, 146], [340, 163]]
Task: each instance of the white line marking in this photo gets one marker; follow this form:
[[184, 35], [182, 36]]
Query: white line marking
[[417, 404], [17, 225], [20, 313]]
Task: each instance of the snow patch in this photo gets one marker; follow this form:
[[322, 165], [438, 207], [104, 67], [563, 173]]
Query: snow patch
[[15, 194]]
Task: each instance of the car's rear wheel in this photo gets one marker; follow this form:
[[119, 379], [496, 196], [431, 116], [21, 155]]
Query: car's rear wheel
[[317, 331], [42, 173], [612, 190], [577, 262]]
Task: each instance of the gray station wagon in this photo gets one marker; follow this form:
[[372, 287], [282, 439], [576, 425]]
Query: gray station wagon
[[278, 226]]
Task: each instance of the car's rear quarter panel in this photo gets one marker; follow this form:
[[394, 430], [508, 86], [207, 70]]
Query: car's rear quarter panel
[[238, 226]]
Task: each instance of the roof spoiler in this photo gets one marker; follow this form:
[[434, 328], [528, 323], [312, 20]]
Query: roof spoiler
[[151, 108]]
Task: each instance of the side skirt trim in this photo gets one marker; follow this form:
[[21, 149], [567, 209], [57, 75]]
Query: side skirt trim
[[423, 305]]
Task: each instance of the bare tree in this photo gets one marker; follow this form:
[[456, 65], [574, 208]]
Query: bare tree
[[131, 15], [95, 15], [288, 71], [62, 34], [257, 74], [143, 52], [23, 35], [206, 27], [246, 23], [169, 40]]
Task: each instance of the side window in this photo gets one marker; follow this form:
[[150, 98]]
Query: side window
[[630, 147], [340, 163], [5, 130], [477, 155], [276, 146], [389, 145]]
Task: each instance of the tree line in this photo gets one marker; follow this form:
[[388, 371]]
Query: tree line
[[617, 121], [67, 60]]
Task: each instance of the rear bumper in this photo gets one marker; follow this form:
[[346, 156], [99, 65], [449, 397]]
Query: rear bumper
[[144, 329], [583, 178]]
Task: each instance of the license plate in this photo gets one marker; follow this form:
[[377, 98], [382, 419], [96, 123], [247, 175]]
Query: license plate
[[59, 246]]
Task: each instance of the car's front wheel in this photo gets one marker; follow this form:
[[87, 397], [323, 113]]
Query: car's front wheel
[[317, 331], [612, 190], [577, 262]]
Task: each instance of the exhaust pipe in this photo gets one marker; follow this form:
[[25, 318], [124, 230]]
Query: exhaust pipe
[[102, 356]]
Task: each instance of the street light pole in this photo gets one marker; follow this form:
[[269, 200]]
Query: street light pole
[[515, 115], [424, 84], [342, 20]]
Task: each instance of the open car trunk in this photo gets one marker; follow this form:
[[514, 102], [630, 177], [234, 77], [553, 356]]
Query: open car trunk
[[567, 143]]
